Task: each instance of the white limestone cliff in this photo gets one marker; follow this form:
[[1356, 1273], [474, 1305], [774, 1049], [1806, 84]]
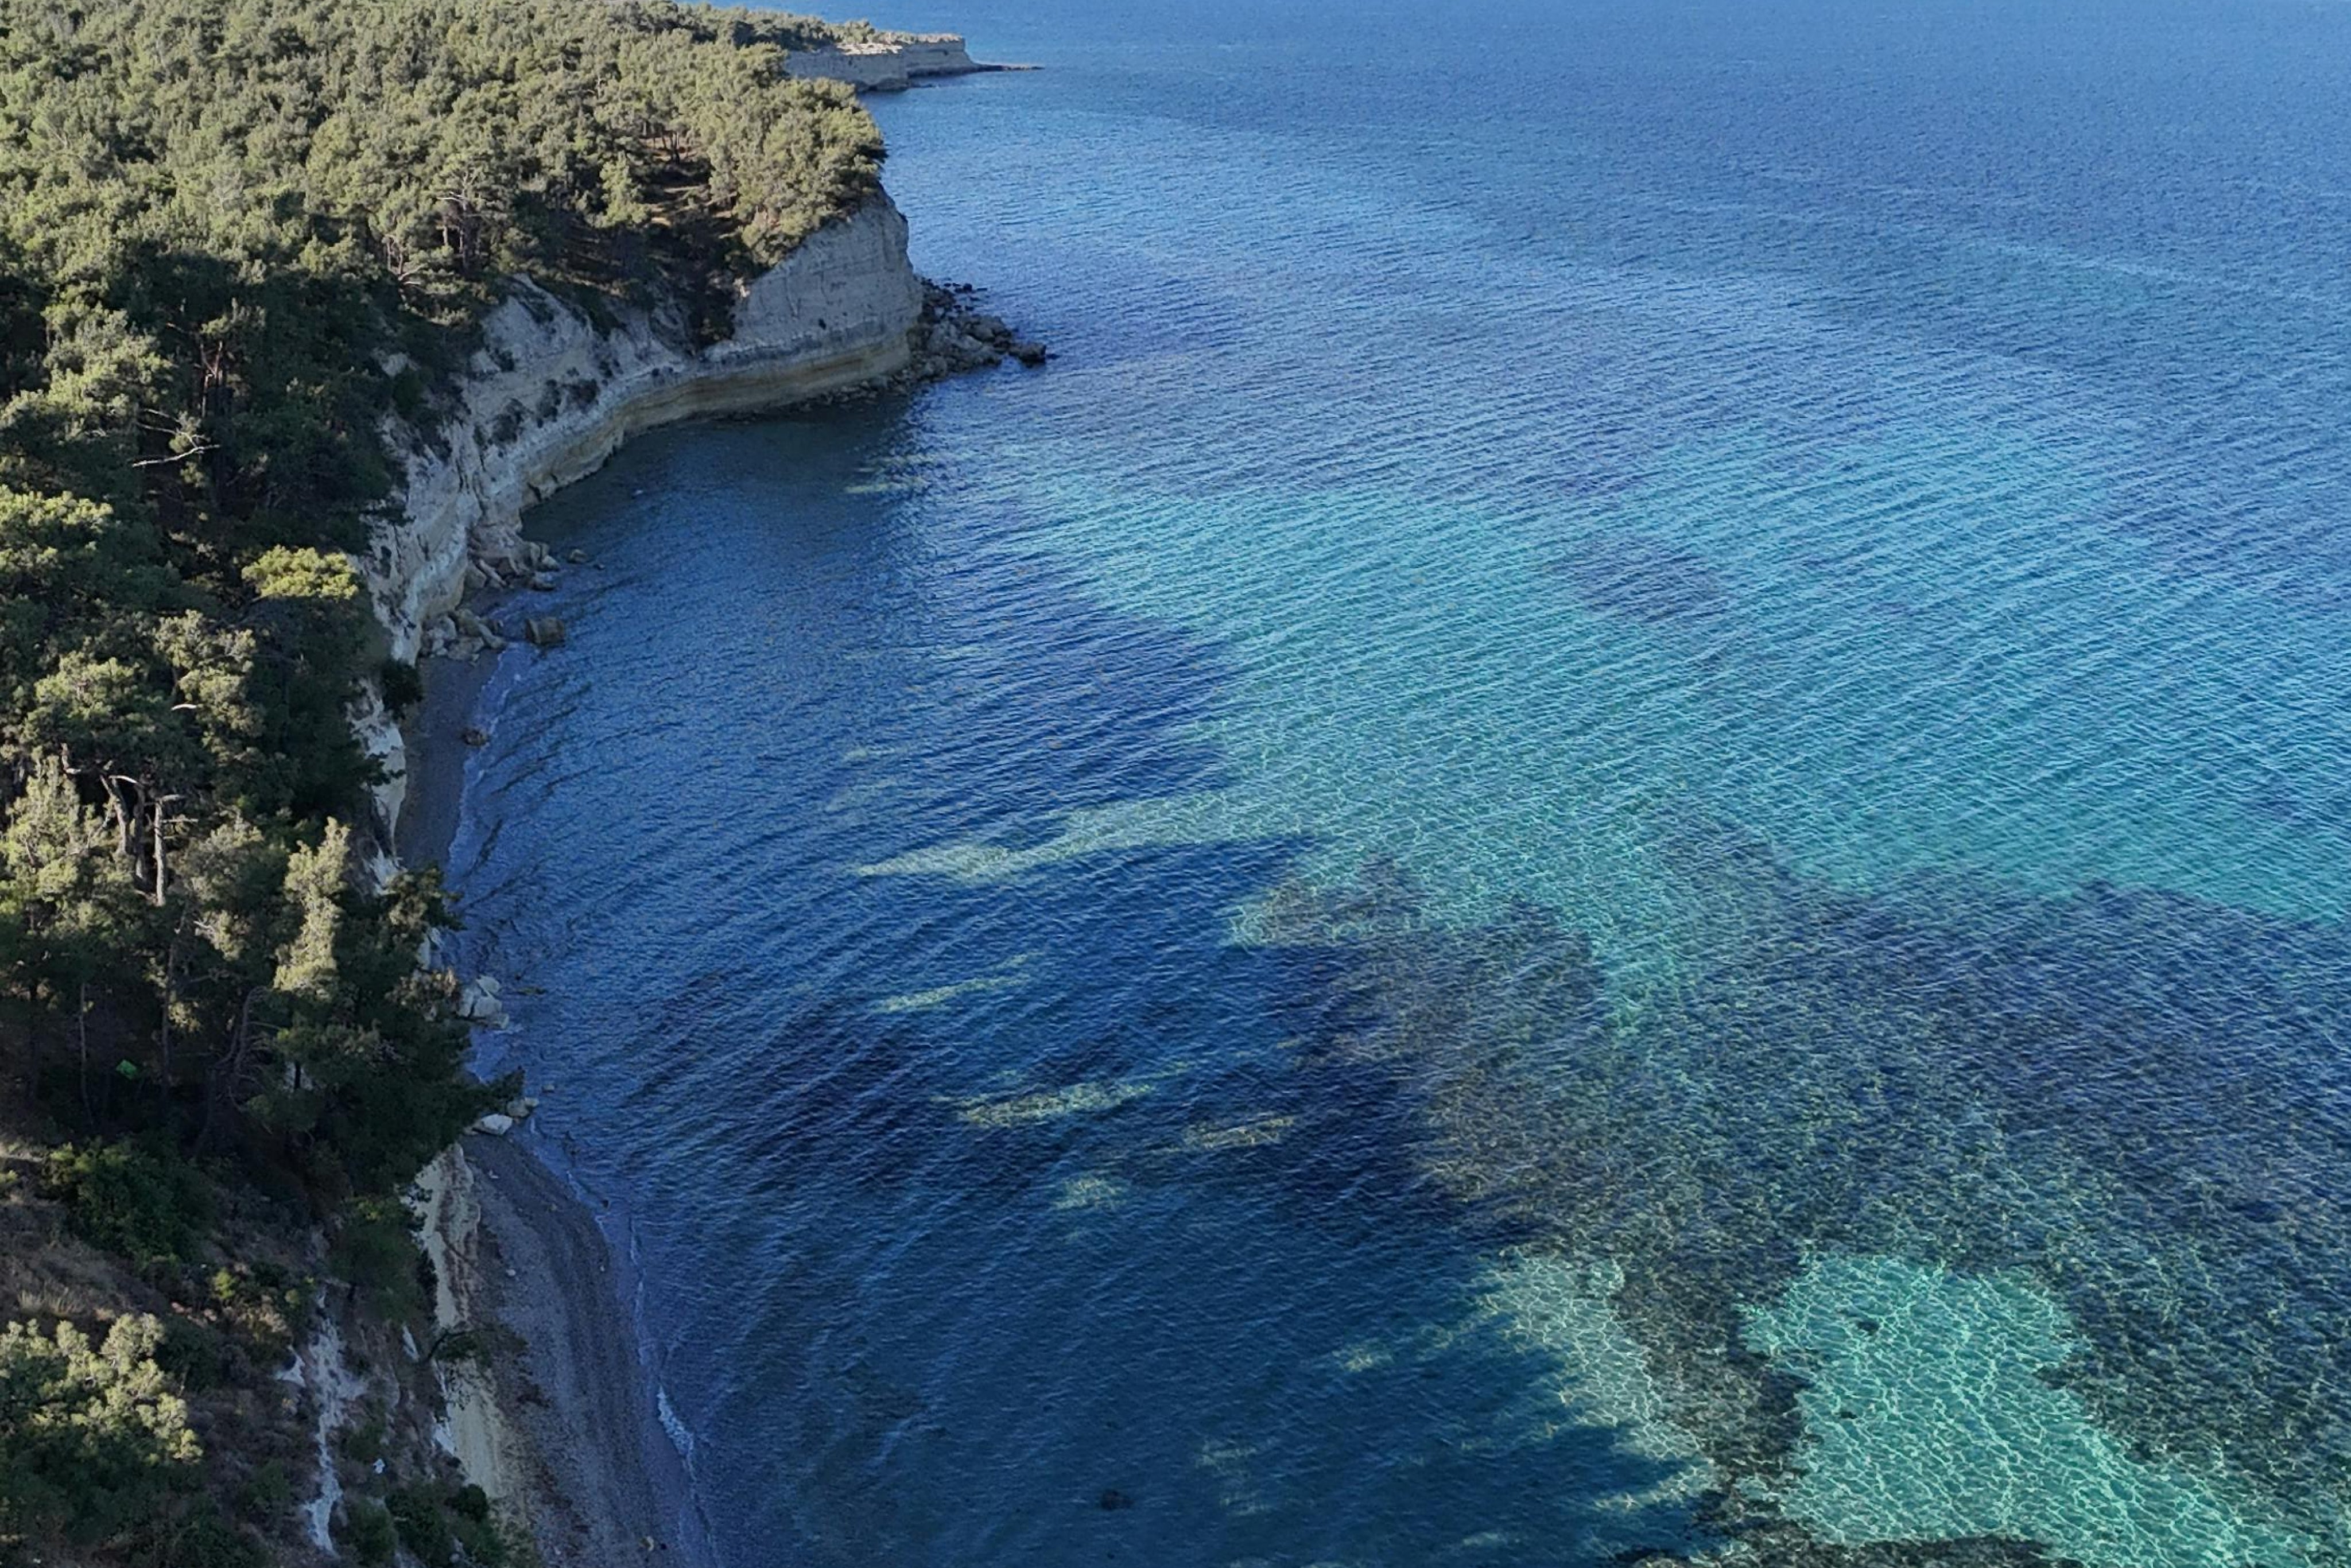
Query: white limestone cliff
[[889, 64], [550, 394]]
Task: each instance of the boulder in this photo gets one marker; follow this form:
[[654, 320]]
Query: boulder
[[473, 629], [478, 1004], [475, 735], [1029, 352], [545, 631], [496, 1124]]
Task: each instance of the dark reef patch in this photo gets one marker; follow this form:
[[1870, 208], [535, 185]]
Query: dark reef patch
[[2136, 1100], [1644, 580]]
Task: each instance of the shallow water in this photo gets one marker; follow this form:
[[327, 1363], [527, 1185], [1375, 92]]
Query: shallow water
[[1619, 823]]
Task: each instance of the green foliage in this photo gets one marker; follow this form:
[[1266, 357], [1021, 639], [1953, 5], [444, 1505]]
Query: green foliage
[[150, 1207], [423, 1525], [244, 246], [260, 1305], [476, 1530], [368, 1532], [91, 1436], [269, 1493], [239, 239], [194, 1354], [402, 685], [435, 1522], [374, 1249], [208, 1541], [363, 1442]]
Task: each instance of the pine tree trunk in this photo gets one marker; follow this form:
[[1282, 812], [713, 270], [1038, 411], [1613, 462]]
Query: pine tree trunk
[[170, 984], [222, 1083], [157, 834], [81, 1031]]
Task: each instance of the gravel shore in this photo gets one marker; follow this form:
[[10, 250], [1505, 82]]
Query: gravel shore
[[561, 1411]]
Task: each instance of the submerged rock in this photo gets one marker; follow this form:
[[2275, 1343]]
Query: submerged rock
[[952, 337]]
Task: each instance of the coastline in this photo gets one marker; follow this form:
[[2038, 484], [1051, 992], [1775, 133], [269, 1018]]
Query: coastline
[[893, 63], [559, 1419]]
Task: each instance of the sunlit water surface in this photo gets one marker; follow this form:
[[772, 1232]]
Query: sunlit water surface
[[1620, 823]]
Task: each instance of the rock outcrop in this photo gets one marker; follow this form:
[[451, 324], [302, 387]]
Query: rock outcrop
[[954, 336], [889, 64]]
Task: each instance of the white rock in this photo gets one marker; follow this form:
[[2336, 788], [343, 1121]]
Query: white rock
[[495, 1124], [885, 67]]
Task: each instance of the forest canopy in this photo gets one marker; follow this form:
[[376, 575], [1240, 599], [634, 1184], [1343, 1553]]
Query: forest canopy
[[237, 237]]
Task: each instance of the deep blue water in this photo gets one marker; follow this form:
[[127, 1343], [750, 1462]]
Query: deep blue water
[[1621, 822]]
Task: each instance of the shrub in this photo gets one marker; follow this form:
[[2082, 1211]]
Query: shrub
[[269, 1493], [368, 1531], [208, 1541], [410, 395], [151, 1208], [435, 1522], [424, 1529], [375, 1250], [364, 1442], [403, 685]]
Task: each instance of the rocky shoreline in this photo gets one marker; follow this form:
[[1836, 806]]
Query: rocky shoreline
[[557, 1424], [894, 62]]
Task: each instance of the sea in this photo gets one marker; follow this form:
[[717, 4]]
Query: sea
[[1615, 828]]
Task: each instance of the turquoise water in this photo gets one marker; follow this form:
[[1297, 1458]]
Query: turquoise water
[[1619, 825]]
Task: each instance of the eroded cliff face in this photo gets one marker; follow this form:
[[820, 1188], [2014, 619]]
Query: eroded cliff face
[[550, 395], [889, 66]]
